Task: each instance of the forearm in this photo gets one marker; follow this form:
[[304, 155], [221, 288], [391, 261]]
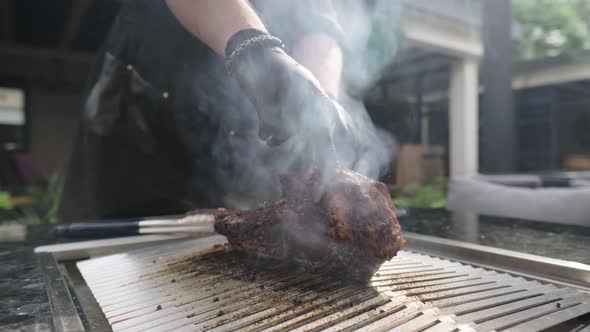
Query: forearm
[[214, 21], [322, 55]]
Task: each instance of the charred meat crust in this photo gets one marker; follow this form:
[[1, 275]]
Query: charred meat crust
[[343, 225]]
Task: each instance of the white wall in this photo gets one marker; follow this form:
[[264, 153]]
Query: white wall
[[54, 115], [54, 80]]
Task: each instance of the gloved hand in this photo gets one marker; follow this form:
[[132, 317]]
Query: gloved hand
[[288, 98]]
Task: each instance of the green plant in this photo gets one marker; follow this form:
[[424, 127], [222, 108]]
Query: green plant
[[551, 27], [5, 201], [46, 199], [44, 207], [429, 196]]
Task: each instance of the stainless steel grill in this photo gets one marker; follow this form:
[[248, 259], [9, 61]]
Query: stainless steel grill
[[196, 285]]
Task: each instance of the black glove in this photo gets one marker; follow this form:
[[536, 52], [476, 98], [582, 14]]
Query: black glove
[[288, 98]]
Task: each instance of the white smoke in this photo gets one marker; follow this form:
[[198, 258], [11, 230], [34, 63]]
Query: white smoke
[[370, 44]]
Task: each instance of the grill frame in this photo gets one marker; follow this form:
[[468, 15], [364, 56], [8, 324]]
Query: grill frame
[[538, 268], [557, 271]]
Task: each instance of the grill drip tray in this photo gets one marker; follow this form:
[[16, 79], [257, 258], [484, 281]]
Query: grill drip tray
[[196, 285]]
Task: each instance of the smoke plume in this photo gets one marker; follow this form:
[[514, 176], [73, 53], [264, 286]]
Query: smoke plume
[[252, 167]]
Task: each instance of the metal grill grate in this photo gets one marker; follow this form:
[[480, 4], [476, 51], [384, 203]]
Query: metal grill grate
[[195, 285]]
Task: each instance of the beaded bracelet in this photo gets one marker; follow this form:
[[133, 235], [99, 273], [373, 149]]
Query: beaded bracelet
[[262, 40]]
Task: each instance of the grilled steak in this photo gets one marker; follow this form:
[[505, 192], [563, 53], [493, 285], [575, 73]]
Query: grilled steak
[[344, 225]]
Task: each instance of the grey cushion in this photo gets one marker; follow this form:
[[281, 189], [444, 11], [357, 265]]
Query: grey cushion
[[560, 205]]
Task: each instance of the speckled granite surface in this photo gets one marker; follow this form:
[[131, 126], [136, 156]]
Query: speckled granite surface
[[23, 299], [566, 242]]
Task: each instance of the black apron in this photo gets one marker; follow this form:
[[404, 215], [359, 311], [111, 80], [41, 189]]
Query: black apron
[[164, 130], [163, 127]]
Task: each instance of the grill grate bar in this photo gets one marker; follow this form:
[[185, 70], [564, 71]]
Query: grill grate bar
[[409, 312], [327, 315], [193, 312], [232, 292], [441, 326], [317, 308], [191, 299], [429, 272], [400, 264], [383, 279], [438, 284], [152, 277], [506, 309], [286, 311], [535, 312], [196, 285], [519, 285], [551, 320], [426, 319], [265, 309], [466, 308], [336, 322], [133, 265]]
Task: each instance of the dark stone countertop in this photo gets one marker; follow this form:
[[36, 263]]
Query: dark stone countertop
[[565, 242], [23, 298]]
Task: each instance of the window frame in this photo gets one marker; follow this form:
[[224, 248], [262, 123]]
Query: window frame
[[21, 84]]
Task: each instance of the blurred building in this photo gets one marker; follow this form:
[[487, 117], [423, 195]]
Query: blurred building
[[428, 97], [46, 52]]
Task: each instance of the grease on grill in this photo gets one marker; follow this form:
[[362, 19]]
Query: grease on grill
[[280, 295], [250, 276]]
